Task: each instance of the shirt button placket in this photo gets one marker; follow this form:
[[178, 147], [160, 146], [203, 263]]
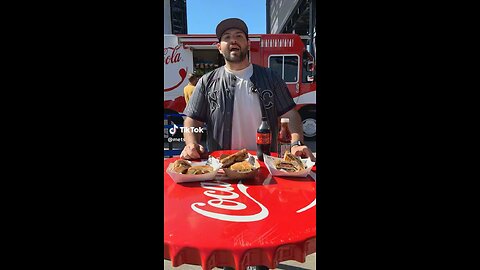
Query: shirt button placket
[[232, 87], [227, 129]]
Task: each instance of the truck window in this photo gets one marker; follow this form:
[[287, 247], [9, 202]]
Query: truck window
[[286, 66], [276, 63], [206, 60]]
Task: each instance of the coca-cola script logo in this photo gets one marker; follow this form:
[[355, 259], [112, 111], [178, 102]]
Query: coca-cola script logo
[[172, 55], [217, 190], [227, 201]]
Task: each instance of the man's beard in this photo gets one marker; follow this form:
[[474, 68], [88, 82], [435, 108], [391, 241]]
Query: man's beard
[[241, 55]]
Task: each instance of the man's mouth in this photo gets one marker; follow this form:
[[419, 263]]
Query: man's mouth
[[234, 49]]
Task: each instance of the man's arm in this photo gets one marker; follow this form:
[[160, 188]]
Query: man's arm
[[295, 124], [296, 128], [284, 103], [185, 94], [190, 137], [193, 149]]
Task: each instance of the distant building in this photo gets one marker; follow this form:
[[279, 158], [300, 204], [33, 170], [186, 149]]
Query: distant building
[[296, 16], [175, 17]]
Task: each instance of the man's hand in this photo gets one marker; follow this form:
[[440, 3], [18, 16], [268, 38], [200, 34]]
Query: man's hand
[[303, 151], [193, 151]]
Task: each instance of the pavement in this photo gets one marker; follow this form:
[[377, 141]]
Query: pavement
[[309, 264]]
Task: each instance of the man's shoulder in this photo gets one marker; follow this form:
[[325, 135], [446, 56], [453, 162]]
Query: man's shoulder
[[266, 72], [213, 72], [212, 76], [258, 68]]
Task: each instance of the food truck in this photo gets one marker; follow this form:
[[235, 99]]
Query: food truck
[[284, 53]]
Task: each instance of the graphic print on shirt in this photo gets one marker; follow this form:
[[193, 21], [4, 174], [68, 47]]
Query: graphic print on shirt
[[266, 98], [213, 100]]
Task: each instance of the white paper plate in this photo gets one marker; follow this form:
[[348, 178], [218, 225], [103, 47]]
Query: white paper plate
[[183, 178], [269, 161]]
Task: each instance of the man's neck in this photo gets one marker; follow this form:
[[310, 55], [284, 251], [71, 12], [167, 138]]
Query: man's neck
[[237, 66]]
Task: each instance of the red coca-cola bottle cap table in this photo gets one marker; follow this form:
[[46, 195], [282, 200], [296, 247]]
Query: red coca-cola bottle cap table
[[237, 223]]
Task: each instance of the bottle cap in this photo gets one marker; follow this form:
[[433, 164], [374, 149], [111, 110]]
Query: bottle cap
[[284, 120]]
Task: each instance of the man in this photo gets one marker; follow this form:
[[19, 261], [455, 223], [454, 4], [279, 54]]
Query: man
[[232, 99], [188, 90]]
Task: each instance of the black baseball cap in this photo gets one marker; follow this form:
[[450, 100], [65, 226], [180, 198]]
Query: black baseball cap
[[230, 23]]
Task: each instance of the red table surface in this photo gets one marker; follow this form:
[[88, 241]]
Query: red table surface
[[236, 223]]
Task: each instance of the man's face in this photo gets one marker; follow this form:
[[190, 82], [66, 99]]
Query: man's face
[[233, 45]]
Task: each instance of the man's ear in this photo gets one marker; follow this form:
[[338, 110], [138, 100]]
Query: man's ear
[[218, 45]]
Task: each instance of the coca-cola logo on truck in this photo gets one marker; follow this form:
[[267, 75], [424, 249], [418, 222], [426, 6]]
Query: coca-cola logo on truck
[[172, 56]]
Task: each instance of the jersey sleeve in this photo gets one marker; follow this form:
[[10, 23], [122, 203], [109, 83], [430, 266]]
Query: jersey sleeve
[[283, 101], [197, 106]]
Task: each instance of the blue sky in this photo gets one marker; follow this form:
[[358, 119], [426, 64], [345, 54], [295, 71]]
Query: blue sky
[[204, 15]]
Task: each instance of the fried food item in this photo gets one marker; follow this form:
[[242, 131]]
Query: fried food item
[[242, 167], [295, 160], [181, 166], [200, 169], [285, 165], [289, 163], [236, 157]]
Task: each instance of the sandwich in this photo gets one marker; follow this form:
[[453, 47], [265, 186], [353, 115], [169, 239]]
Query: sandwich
[[200, 169], [295, 160], [289, 163], [242, 167], [285, 166], [181, 166], [239, 165], [233, 158], [184, 167]]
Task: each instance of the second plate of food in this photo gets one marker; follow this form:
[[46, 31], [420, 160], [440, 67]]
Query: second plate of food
[[289, 165]]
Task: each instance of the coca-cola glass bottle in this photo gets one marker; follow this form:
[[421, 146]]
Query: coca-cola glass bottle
[[264, 138]]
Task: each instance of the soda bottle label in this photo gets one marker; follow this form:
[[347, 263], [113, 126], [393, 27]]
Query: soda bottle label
[[263, 138]]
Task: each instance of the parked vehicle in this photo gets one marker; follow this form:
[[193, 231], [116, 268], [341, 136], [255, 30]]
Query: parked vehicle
[[284, 53]]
